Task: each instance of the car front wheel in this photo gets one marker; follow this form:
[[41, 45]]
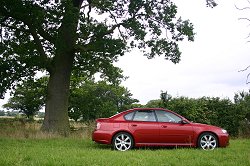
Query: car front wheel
[[123, 141], [207, 141]]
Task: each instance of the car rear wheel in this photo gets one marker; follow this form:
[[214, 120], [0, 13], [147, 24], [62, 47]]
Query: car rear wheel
[[207, 141], [123, 141]]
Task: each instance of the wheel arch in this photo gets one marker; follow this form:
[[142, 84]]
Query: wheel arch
[[122, 131]]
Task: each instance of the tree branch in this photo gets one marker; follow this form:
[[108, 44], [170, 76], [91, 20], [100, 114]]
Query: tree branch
[[15, 28], [88, 47], [35, 36], [27, 20], [244, 69], [45, 35], [242, 8], [118, 26], [108, 31], [39, 44], [36, 40], [36, 32], [244, 19], [248, 75], [247, 82], [113, 28]]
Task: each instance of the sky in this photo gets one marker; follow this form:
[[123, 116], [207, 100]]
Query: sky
[[209, 66]]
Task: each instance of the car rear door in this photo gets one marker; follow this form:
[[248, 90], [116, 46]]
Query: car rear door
[[144, 127]]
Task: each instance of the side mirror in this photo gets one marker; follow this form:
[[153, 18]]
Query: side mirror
[[184, 122]]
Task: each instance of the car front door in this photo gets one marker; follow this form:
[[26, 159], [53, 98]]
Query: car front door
[[171, 131], [144, 127]]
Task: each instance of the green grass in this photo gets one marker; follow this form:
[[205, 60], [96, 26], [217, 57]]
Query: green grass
[[75, 151], [22, 143]]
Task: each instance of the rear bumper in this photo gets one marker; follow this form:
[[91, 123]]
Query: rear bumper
[[102, 137]]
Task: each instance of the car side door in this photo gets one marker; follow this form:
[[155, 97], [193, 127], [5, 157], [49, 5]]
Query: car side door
[[144, 127], [172, 131]]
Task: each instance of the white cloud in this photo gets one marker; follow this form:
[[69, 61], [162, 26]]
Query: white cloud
[[209, 66]]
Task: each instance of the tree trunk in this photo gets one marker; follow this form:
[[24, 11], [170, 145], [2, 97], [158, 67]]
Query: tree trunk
[[56, 110]]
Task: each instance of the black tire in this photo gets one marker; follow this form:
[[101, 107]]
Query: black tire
[[207, 141], [123, 141]]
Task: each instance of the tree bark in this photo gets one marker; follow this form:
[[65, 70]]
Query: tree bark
[[56, 110]]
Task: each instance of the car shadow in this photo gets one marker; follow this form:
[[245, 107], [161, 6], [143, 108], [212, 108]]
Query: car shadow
[[102, 146], [162, 148], [152, 148]]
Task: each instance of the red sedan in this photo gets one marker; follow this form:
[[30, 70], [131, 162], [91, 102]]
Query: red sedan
[[156, 127]]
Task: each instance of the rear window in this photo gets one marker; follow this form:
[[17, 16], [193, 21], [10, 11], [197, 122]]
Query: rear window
[[129, 116], [146, 116]]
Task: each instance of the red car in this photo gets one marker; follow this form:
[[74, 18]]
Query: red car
[[156, 127]]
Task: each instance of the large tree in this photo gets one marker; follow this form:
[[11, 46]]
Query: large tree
[[61, 36]]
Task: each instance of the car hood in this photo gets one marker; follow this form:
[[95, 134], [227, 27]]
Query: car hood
[[204, 125]]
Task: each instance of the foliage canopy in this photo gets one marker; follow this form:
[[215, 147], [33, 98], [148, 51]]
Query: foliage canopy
[[83, 37], [32, 30]]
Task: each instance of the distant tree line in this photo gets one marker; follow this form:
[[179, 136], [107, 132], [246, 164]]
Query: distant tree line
[[89, 100], [2, 113], [20, 114], [234, 116]]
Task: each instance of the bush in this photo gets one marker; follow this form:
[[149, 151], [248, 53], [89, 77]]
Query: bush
[[214, 111]]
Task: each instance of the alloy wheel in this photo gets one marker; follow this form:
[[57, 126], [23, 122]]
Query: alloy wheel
[[123, 142], [208, 141]]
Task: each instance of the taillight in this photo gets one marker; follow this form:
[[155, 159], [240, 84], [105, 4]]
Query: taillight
[[98, 125]]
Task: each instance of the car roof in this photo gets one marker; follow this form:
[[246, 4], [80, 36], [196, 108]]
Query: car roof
[[141, 109], [136, 109]]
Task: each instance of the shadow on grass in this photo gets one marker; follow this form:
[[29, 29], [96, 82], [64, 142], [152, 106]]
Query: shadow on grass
[[101, 146], [163, 148], [143, 148]]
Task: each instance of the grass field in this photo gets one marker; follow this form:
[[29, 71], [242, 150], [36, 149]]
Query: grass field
[[22, 143], [75, 151]]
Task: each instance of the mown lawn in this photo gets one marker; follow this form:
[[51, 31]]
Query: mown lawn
[[75, 151]]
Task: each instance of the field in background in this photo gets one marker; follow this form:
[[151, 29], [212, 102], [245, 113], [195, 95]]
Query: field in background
[[23, 128], [21, 143]]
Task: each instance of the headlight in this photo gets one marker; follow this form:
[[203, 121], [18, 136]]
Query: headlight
[[224, 131]]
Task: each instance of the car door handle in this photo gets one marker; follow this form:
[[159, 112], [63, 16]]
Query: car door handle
[[164, 126], [133, 125]]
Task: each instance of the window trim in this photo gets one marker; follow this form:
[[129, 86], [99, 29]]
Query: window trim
[[153, 111], [155, 115], [133, 112]]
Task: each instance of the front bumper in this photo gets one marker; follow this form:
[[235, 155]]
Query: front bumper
[[223, 140]]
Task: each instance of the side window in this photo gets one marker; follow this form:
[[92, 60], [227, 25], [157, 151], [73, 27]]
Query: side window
[[146, 116], [164, 116], [129, 116]]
